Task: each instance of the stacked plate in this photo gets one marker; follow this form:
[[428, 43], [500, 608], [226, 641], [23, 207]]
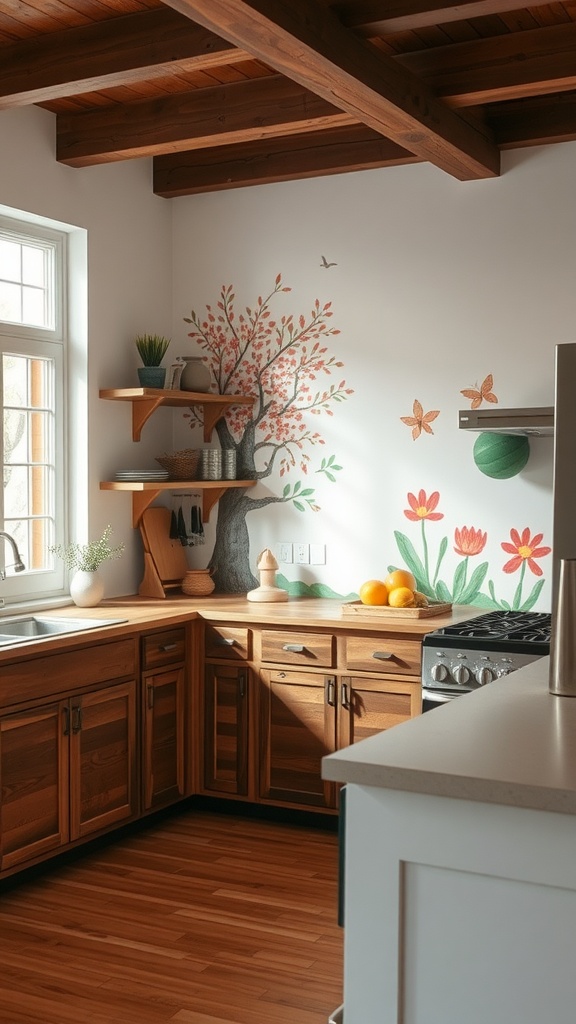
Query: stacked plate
[[141, 475]]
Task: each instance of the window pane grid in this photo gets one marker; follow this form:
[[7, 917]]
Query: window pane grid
[[26, 283]]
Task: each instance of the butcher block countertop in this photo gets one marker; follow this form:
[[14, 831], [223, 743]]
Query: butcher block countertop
[[140, 614], [511, 742]]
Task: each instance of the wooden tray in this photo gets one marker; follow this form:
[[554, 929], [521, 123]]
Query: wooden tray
[[384, 611]]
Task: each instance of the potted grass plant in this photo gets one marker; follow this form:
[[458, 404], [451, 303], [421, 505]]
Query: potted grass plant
[[151, 349], [84, 560]]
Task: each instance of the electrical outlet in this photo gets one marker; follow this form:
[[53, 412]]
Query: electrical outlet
[[302, 554], [317, 554], [284, 551]]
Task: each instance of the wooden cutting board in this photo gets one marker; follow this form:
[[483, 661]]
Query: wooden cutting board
[[168, 555]]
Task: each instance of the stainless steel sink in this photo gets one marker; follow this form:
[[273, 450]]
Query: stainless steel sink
[[35, 627]]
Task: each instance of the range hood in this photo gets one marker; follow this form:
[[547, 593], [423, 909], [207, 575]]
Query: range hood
[[532, 422]]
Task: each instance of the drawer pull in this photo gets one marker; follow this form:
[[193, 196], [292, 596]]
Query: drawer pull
[[382, 655], [294, 648], [150, 695], [242, 683], [226, 642], [329, 692], [168, 647], [345, 695], [66, 715]]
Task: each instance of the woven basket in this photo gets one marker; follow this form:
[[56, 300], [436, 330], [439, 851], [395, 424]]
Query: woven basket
[[198, 583], [182, 465]]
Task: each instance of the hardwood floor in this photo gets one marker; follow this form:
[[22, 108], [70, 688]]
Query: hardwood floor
[[203, 918]]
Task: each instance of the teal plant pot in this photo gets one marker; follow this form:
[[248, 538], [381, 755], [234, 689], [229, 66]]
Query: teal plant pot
[[152, 376]]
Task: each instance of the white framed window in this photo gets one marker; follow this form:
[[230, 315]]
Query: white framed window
[[33, 270]]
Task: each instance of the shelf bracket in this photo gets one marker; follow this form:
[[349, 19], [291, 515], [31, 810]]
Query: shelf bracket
[[140, 502], [212, 413], [209, 499], [141, 412]]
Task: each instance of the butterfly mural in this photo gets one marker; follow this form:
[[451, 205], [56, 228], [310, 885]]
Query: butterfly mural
[[420, 420], [484, 394]]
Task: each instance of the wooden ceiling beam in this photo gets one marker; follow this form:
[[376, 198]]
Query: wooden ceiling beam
[[227, 114], [333, 151], [119, 51], [530, 63], [535, 122], [307, 43], [381, 17]]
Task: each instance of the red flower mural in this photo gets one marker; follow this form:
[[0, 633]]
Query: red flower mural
[[422, 507], [469, 541], [525, 550]]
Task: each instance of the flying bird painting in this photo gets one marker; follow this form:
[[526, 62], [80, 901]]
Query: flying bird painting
[[325, 263]]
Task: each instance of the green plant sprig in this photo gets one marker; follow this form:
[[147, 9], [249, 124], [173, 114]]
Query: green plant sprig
[[88, 557], [151, 348]]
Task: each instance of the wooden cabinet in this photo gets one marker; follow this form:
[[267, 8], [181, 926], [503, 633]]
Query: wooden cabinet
[[297, 728], [367, 706], [228, 696], [68, 768], [163, 717]]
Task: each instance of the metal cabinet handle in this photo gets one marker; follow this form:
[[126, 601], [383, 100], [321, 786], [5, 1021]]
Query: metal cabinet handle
[[242, 684], [226, 642], [330, 692], [168, 647], [345, 695], [294, 648], [150, 695], [66, 716], [76, 718], [382, 655]]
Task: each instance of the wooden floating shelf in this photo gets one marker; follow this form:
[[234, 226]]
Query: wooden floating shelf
[[145, 492], [145, 401]]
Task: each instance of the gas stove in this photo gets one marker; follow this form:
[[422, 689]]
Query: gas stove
[[459, 658]]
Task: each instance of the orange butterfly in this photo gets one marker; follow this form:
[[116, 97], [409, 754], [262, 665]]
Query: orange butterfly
[[420, 420], [484, 394]]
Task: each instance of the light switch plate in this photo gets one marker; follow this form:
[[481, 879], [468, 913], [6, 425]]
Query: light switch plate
[[317, 554], [284, 552]]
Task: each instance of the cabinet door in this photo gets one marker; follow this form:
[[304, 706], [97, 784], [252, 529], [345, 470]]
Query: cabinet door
[[297, 728], [103, 767], [367, 706], [226, 707], [163, 737], [34, 780]]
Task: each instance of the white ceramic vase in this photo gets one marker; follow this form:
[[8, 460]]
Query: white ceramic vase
[[86, 588]]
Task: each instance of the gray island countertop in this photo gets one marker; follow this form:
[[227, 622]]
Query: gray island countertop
[[511, 743]]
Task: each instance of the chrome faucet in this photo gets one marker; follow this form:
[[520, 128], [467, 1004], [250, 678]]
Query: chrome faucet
[[18, 563]]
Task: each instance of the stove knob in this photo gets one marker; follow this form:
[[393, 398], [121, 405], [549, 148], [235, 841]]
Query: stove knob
[[485, 675], [439, 672], [461, 674]]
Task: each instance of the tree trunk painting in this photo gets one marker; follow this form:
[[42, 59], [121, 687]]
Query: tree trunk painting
[[277, 362]]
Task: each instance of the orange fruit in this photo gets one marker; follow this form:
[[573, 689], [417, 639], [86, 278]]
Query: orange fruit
[[401, 597], [400, 578], [373, 592]]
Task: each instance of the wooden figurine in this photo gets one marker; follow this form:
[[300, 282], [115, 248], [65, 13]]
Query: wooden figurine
[[267, 591]]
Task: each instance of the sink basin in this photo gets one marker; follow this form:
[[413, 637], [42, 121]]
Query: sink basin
[[34, 627]]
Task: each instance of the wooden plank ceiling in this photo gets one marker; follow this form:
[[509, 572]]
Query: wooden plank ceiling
[[229, 93]]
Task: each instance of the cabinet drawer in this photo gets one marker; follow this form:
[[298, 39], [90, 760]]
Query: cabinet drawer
[[164, 648], [58, 673], [231, 643], [384, 655], [291, 648]]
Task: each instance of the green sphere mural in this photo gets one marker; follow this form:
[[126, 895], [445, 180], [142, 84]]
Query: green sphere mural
[[501, 456]]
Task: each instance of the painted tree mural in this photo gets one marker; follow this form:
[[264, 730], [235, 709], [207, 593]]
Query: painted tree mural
[[279, 362]]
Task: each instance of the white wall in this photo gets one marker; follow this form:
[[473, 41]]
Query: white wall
[[129, 275], [437, 284]]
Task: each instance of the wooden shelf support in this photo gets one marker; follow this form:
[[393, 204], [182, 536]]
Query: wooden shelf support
[[143, 494]]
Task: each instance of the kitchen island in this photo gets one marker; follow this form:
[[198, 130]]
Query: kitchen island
[[460, 886]]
